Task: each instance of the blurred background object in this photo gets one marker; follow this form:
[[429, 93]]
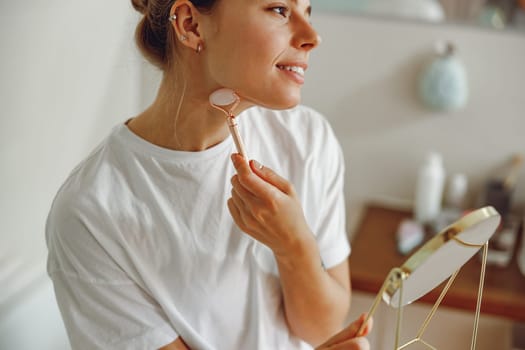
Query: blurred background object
[[521, 251], [429, 188], [443, 82], [501, 185], [426, 10], [499, 192], [495, 14]]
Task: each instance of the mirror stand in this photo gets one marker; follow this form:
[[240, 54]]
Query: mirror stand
[[394, 284]]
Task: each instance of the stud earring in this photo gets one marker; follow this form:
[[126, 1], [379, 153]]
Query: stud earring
[[183, 37], [173, 17], [199, 48]]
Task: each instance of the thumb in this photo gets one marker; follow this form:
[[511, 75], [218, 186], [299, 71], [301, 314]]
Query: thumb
[[271, 177]]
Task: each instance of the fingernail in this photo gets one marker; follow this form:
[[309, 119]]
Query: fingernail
[[257, 164], [234, 158]]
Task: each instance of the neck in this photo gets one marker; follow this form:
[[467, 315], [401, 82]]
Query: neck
[[181, 119]]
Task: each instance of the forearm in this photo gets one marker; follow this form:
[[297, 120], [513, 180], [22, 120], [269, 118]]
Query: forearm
[[315, 303], [266, 207]]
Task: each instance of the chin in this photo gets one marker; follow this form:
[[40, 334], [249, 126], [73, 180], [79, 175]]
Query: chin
[[277, 106], [288, 105], [291, 102]]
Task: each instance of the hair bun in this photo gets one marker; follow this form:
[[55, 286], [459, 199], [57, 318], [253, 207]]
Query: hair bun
[[140, 5]]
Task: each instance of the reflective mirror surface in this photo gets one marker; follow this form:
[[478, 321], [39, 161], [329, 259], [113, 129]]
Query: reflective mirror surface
[[441, 256]]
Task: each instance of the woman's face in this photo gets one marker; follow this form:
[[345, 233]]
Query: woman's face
[[259, 48]]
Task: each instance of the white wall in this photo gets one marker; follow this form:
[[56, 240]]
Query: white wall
[[70, 72], [31, 320]]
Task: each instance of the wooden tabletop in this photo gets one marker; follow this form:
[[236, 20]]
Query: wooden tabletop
[[374, 254]]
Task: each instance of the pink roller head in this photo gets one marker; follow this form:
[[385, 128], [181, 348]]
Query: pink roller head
[[225, 100]]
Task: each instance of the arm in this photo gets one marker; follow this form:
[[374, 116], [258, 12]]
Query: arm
[[316, 301], [265, 206]]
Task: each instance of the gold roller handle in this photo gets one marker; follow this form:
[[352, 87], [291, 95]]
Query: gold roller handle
[[232, 124]]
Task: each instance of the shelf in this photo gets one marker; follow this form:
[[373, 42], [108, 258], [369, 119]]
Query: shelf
[[374, 254]]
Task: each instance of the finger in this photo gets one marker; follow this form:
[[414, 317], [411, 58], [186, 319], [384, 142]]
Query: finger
[[237, 200], [235, 213], [349, 332], [240, 164], [350, 344], [241, 191], [251, 182], [367, 328], [271, 177]]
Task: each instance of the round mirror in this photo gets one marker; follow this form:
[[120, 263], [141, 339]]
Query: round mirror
[[442, 255]]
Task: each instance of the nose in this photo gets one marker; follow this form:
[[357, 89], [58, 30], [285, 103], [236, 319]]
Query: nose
[[306, 37]]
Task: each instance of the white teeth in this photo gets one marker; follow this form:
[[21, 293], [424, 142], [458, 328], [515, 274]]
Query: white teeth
[[298, 70]]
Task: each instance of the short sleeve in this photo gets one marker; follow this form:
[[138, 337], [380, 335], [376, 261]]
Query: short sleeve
[[327, 173], [101, 306]]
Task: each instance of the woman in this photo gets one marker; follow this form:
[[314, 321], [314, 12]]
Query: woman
[[158, 240]]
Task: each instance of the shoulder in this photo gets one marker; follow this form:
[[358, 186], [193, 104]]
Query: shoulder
[[84, 180], [102, 169], [80, 233], [75, 201], [85, 196]]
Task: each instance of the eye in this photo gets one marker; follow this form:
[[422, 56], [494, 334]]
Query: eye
[[280, 10]]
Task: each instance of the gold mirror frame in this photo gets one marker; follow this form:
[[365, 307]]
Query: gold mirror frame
[[459, 242]]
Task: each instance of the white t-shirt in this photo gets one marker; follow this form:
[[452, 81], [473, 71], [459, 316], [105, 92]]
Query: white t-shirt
[[142, 247]]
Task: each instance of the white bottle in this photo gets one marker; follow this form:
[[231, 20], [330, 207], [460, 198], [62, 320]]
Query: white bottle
[[429, 190], [456, 191]]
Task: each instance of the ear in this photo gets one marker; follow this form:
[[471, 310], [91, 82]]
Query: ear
[[186, 24]]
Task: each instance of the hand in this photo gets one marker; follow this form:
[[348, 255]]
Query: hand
[[348, 339], [265, 206]]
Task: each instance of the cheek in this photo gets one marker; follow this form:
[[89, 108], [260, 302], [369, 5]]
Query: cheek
[[244, 54], [245, 61]]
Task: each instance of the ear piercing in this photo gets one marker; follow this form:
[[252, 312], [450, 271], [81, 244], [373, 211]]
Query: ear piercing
[[172, 18]]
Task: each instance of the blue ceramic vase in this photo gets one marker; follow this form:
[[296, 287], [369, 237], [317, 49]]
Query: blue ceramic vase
[[443, 83]]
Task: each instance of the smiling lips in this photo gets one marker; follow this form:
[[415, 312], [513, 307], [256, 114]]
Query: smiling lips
[[296, 71]]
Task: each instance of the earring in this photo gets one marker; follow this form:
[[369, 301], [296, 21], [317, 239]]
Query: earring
[[199, 48], [183, 37], [173, 17]]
